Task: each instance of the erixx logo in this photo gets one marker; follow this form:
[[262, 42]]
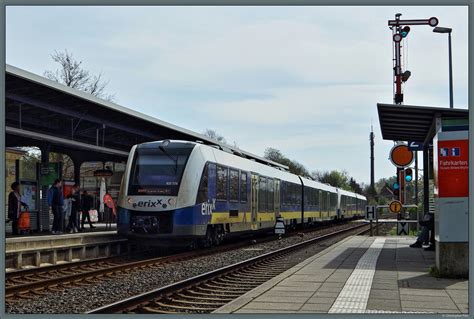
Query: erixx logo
[[208, 208], [148, 203]]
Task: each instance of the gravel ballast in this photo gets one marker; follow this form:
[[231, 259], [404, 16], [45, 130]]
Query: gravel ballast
[[81, 299]]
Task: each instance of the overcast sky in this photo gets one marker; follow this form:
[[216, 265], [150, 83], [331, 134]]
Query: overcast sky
[[304, 80]]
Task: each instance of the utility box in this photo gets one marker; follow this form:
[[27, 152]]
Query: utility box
[[451, 195]]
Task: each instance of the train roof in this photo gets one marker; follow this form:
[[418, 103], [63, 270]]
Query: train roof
[[229, 149], [319, 185]]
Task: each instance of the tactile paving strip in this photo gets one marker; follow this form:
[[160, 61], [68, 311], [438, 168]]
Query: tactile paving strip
[[355, 293]]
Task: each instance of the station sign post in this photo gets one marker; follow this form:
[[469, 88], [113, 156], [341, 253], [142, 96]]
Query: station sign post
[[370, 214]]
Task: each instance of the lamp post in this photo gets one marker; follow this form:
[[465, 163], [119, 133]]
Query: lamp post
[[448, 31]]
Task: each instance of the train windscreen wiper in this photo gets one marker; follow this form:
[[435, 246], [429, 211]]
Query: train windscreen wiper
[[175, 160]]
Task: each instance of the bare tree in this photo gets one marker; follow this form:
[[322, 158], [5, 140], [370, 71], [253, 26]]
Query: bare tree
[[72, 74], [212, 134]]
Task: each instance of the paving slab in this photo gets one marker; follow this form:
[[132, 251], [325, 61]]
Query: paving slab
[[359, 275]]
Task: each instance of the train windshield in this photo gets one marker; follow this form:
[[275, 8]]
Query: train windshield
[[158, 170]]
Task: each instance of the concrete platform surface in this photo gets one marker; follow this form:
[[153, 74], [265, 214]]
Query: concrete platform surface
[[359, 275]]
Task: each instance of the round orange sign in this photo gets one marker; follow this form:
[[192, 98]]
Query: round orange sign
[[395, 206], [401, 156]]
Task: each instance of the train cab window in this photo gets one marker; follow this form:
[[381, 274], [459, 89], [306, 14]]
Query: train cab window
[[202, 195], [234, 185], [262, 195], [221, 183], [243, 186], [270, 195]]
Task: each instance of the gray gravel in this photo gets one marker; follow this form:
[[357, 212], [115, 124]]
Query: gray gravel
[[85, 298]]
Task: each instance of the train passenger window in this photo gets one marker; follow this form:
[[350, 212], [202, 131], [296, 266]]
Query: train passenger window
[[234, 185], [307, 196], [221, 183], [316, 198], [202, 195], [243, 186], [262, 195], [270, 194], [333, 200]]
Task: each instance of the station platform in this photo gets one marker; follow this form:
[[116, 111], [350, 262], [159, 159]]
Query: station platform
[[98, 228], [359, 275], [40, 250]]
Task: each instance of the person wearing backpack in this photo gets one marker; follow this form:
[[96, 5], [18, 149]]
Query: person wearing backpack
[[86, 205], [56, 203]]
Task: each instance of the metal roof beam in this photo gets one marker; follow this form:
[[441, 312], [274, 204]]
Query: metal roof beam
[[60, 110], [62, 141]]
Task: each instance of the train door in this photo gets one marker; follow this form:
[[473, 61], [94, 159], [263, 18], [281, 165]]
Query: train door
[[328, 201], [320, 205], [277, 198], [254, 200]]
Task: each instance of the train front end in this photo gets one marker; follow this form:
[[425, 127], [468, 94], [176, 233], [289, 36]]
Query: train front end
[[155, 187]]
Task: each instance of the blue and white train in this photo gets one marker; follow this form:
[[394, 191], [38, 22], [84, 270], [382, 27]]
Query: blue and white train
[[180, 192]]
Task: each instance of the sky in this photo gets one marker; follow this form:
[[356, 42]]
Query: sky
[[304, 80]]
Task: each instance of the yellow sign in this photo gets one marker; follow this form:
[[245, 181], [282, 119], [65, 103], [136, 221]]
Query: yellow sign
[[395, 206]]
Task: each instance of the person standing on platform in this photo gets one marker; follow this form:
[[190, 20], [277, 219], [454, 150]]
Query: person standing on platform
[[56, 203], [110, 208], [75, 207], [86, 205], [14, 206]]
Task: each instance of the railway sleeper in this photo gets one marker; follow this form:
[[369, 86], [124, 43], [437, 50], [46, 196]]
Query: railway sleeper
[[238, 281], [184, 307], [212, 289], [194, 302], [251, 276], [146, 309], [232, 284], [212, 292], [223, 299]]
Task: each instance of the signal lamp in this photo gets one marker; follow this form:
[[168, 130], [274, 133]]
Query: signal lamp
[[406, 75], [408, 174], [405, 31]]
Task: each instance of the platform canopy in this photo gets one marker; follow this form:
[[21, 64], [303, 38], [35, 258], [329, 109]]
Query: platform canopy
[[413, 123], [40, 112]]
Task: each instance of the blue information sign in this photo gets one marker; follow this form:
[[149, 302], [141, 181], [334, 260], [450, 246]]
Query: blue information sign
[[415, 146]]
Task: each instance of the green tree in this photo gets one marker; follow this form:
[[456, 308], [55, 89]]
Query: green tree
[[277, 156], [333, 178]]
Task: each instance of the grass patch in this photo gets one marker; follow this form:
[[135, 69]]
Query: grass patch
[[434, 272], [411, 232], [393, 231]]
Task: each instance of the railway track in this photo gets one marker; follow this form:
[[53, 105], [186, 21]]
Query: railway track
[[207, 292], [33, 282]]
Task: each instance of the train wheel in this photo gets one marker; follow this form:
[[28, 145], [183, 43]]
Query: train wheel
[[207, 241], [193, 245], [217, 235]]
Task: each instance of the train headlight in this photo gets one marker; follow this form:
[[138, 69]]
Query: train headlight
[[171, 201]]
